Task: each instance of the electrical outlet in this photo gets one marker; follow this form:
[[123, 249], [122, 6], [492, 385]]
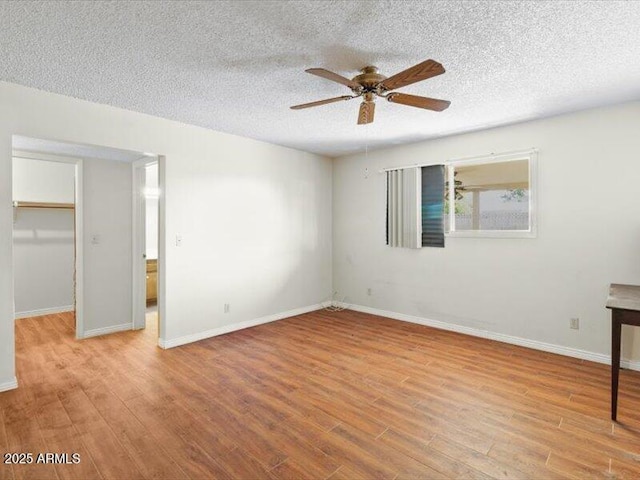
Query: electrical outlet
[[369, 291], [226, 308], [574, 323]]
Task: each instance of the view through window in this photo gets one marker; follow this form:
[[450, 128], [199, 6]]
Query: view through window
[[489, 196]]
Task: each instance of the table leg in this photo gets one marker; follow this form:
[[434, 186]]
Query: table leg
[[616, 330]]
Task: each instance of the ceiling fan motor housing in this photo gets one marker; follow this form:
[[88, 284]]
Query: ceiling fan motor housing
[[368, 80]]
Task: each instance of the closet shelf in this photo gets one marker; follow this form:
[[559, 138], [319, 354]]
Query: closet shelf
[[68, 206]]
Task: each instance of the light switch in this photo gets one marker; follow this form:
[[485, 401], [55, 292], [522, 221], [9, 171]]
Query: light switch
[[95, 239], [178, 240]]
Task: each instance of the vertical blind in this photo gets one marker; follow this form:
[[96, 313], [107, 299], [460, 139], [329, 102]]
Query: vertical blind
[[415, 207], [403, 208], [433, 206]]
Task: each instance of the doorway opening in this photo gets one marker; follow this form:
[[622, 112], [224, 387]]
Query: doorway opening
[[47, 236], [146, 221], [147, 205], [73, 231]]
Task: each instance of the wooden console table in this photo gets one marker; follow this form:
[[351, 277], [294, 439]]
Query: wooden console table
[[624, 302]]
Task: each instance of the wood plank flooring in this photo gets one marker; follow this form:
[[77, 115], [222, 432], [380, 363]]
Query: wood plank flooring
[[319, 396]]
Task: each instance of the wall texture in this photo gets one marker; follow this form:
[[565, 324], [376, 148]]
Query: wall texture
[[588, 235], [255, 218]]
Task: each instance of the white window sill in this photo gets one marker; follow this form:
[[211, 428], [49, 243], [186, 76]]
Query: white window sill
[[491, 234]]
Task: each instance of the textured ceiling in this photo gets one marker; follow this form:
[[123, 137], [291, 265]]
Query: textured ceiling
[[237, 66]]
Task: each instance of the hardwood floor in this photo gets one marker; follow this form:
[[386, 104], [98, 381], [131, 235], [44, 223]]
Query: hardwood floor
[[323, 395]]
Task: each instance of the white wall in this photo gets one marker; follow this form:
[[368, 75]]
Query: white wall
[[588, 235], [151, 214], [255, 218], [107, 248], [43, 181], [255, 222], [43, 239]]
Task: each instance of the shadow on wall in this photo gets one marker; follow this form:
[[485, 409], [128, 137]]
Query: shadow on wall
[[43, 226]]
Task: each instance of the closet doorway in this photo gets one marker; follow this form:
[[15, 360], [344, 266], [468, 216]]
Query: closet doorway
[[47, 236]]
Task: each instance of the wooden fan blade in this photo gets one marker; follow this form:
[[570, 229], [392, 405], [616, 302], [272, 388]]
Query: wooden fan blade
[[334, 77], [321, 102], [367, 110], [420, 102], [417, 73]]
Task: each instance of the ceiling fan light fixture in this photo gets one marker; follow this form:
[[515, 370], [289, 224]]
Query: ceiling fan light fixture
[[371, 84]]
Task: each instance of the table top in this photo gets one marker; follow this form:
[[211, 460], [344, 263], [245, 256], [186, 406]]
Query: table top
[[626, 297]]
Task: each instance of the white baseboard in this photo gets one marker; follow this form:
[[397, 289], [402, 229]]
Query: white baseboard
[[106, 330], [9, 384], [630, 364], [475, 332], [44, 311], [176, 342]]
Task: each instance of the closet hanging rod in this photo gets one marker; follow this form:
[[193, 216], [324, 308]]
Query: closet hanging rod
[[68, 206]]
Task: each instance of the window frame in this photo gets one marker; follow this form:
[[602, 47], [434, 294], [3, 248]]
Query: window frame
[[532, 157]]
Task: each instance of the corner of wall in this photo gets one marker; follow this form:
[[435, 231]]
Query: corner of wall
[[10, 384]]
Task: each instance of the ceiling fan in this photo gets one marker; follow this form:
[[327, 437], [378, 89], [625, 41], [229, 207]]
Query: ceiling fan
[[371, 84]]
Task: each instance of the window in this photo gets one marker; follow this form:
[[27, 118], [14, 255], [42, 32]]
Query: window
[[415, 206], [432, 201], [491, 197], [482, 197]]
